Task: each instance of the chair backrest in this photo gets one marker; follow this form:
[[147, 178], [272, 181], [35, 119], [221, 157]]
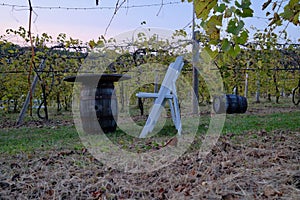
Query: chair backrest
[[173, 73]]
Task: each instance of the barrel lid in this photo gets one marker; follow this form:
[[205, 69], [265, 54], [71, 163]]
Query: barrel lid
[[100, 78]]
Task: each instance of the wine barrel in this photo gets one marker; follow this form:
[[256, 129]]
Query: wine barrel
[[98, 106], [230, 104]]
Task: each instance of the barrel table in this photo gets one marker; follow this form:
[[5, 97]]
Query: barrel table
[[98, 96]]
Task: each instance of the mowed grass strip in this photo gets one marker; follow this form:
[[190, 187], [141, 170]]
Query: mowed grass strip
[[14, 140], [23, 139], [238, 123]]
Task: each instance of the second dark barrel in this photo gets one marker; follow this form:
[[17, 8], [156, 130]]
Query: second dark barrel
[[230, 104]]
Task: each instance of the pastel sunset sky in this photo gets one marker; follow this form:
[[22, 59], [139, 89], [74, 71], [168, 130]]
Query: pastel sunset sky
[[91, 23]]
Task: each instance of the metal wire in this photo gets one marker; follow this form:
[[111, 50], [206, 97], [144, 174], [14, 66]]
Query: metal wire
[[93, 8]]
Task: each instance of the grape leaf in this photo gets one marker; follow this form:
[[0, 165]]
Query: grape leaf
[[225, 45], [234, 51], [221, 8], [228, 13], [247, 12], [235, 27], [208, 54], [242, 39], [202, 8]]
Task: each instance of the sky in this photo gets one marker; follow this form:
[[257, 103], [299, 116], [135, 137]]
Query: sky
[[91, 23]]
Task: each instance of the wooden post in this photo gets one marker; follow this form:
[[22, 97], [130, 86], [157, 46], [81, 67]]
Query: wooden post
[[195, 63], [30, 94], [122, 97], [246, 80], [195, 76], [156, 82], [258, 89]]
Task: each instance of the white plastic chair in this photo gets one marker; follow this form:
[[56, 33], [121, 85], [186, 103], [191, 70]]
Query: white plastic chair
[[166, 92]]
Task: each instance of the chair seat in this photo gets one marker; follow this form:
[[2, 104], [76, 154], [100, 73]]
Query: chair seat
[[152, 95]]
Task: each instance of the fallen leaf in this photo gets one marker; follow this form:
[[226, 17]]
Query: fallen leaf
[[270, 191], [172, 142]]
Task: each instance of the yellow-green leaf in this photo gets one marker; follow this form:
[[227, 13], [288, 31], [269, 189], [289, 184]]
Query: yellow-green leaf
[[203, 7], [228, 13], [208, 55]]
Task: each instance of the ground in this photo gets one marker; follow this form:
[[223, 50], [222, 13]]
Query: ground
[[256, 164]]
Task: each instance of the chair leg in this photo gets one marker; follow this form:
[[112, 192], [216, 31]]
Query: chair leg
[[153, 117], [177, 116], [151, 120], [141, 106], [172, 111], [175, 112]]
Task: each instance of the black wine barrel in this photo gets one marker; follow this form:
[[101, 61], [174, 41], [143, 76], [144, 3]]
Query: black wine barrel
[[98, 106], [230, 104]]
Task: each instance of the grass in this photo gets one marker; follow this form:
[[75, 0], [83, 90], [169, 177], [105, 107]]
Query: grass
[[238, 124], [25, 139]]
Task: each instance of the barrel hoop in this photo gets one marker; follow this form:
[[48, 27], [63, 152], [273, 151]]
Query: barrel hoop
[[98, 97], [98, 118], [105, 97]]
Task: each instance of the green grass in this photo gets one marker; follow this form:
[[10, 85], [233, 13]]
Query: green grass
[[24, 139], [238, 124]]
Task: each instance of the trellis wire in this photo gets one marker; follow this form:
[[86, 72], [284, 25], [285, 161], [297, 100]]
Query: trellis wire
[[93, 8]]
